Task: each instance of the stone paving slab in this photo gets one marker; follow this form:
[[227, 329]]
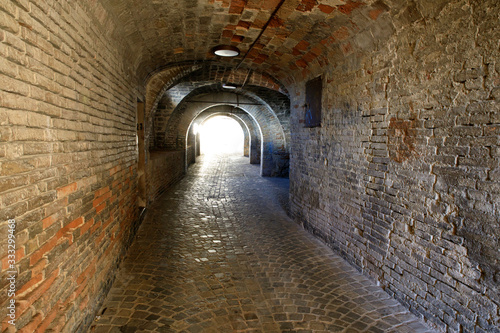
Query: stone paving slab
[[217, 253]]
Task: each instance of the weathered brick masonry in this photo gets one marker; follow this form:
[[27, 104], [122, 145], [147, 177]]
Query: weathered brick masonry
[[402, 178], [67, 159], [165, 168], [274, 160]]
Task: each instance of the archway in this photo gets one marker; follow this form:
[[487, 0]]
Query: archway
[[221, 135], [274, 150], [252, 141]]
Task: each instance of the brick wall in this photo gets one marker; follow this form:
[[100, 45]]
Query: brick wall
[[67, 159], [164, 169], [402, 178]]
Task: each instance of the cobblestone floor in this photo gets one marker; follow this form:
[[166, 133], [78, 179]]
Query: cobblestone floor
[[218, 253]]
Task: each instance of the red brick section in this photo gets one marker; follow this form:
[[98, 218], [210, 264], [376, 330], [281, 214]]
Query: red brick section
[[237, 6], [99, 202], [261, 58], [32, 325], [66, 190], [374, 14], [237, 38], [48, 221], [56, 239], [78, 183], [317, 50], [296, 52], [19, 255], [328, 41], [49, 318], [401, 139], [309, 57], [86, 226], [349, 7], [275, 22], [326, 9], [244, 25], [25, 301], [302, 45], [306, 5], [301, 63], [259, 46]]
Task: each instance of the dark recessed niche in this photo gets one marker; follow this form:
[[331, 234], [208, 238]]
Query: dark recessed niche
[[314, 90]]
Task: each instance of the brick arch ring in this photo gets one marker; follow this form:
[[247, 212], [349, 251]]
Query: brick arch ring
[[160, 81], [274, 149], [251, 131]]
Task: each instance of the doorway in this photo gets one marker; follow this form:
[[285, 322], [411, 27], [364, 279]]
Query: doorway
[[221, 135]]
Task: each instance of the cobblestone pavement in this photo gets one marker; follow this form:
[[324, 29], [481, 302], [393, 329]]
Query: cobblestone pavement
[[217, 253]]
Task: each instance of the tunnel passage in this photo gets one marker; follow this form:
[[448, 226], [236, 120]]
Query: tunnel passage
[[222, 135], [274, 149], [252, 146], [401, 177], [172, 104]]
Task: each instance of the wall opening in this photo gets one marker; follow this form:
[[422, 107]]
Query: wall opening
[[221, 135]]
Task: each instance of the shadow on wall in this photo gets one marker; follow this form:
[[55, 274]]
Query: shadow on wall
[[282, 163]]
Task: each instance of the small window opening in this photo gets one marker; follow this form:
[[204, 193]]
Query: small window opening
[[314, 90]]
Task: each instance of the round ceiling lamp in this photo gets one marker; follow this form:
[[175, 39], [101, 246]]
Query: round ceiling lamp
[[226, 51]]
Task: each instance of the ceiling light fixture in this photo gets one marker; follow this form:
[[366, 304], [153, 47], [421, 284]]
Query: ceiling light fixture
[[228, 86], [226, 51]]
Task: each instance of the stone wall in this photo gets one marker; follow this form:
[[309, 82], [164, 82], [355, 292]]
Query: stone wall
[[67, 159], [402, 178]]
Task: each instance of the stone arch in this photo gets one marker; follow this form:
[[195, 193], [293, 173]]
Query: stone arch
[[164, 79], [278, 102], [274, 149], [253, 136]]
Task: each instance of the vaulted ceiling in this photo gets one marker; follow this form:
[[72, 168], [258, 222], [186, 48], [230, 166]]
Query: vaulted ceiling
[[279, 37]]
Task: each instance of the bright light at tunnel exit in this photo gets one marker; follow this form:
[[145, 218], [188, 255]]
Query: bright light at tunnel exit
[[221, 135]]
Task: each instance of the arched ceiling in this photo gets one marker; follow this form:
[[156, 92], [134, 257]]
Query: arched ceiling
[[303, 35], [173, 77], [270, 100], [203, 99]]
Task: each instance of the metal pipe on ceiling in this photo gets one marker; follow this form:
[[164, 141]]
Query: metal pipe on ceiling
[[225, 102], [246, 78], [261, 32]]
